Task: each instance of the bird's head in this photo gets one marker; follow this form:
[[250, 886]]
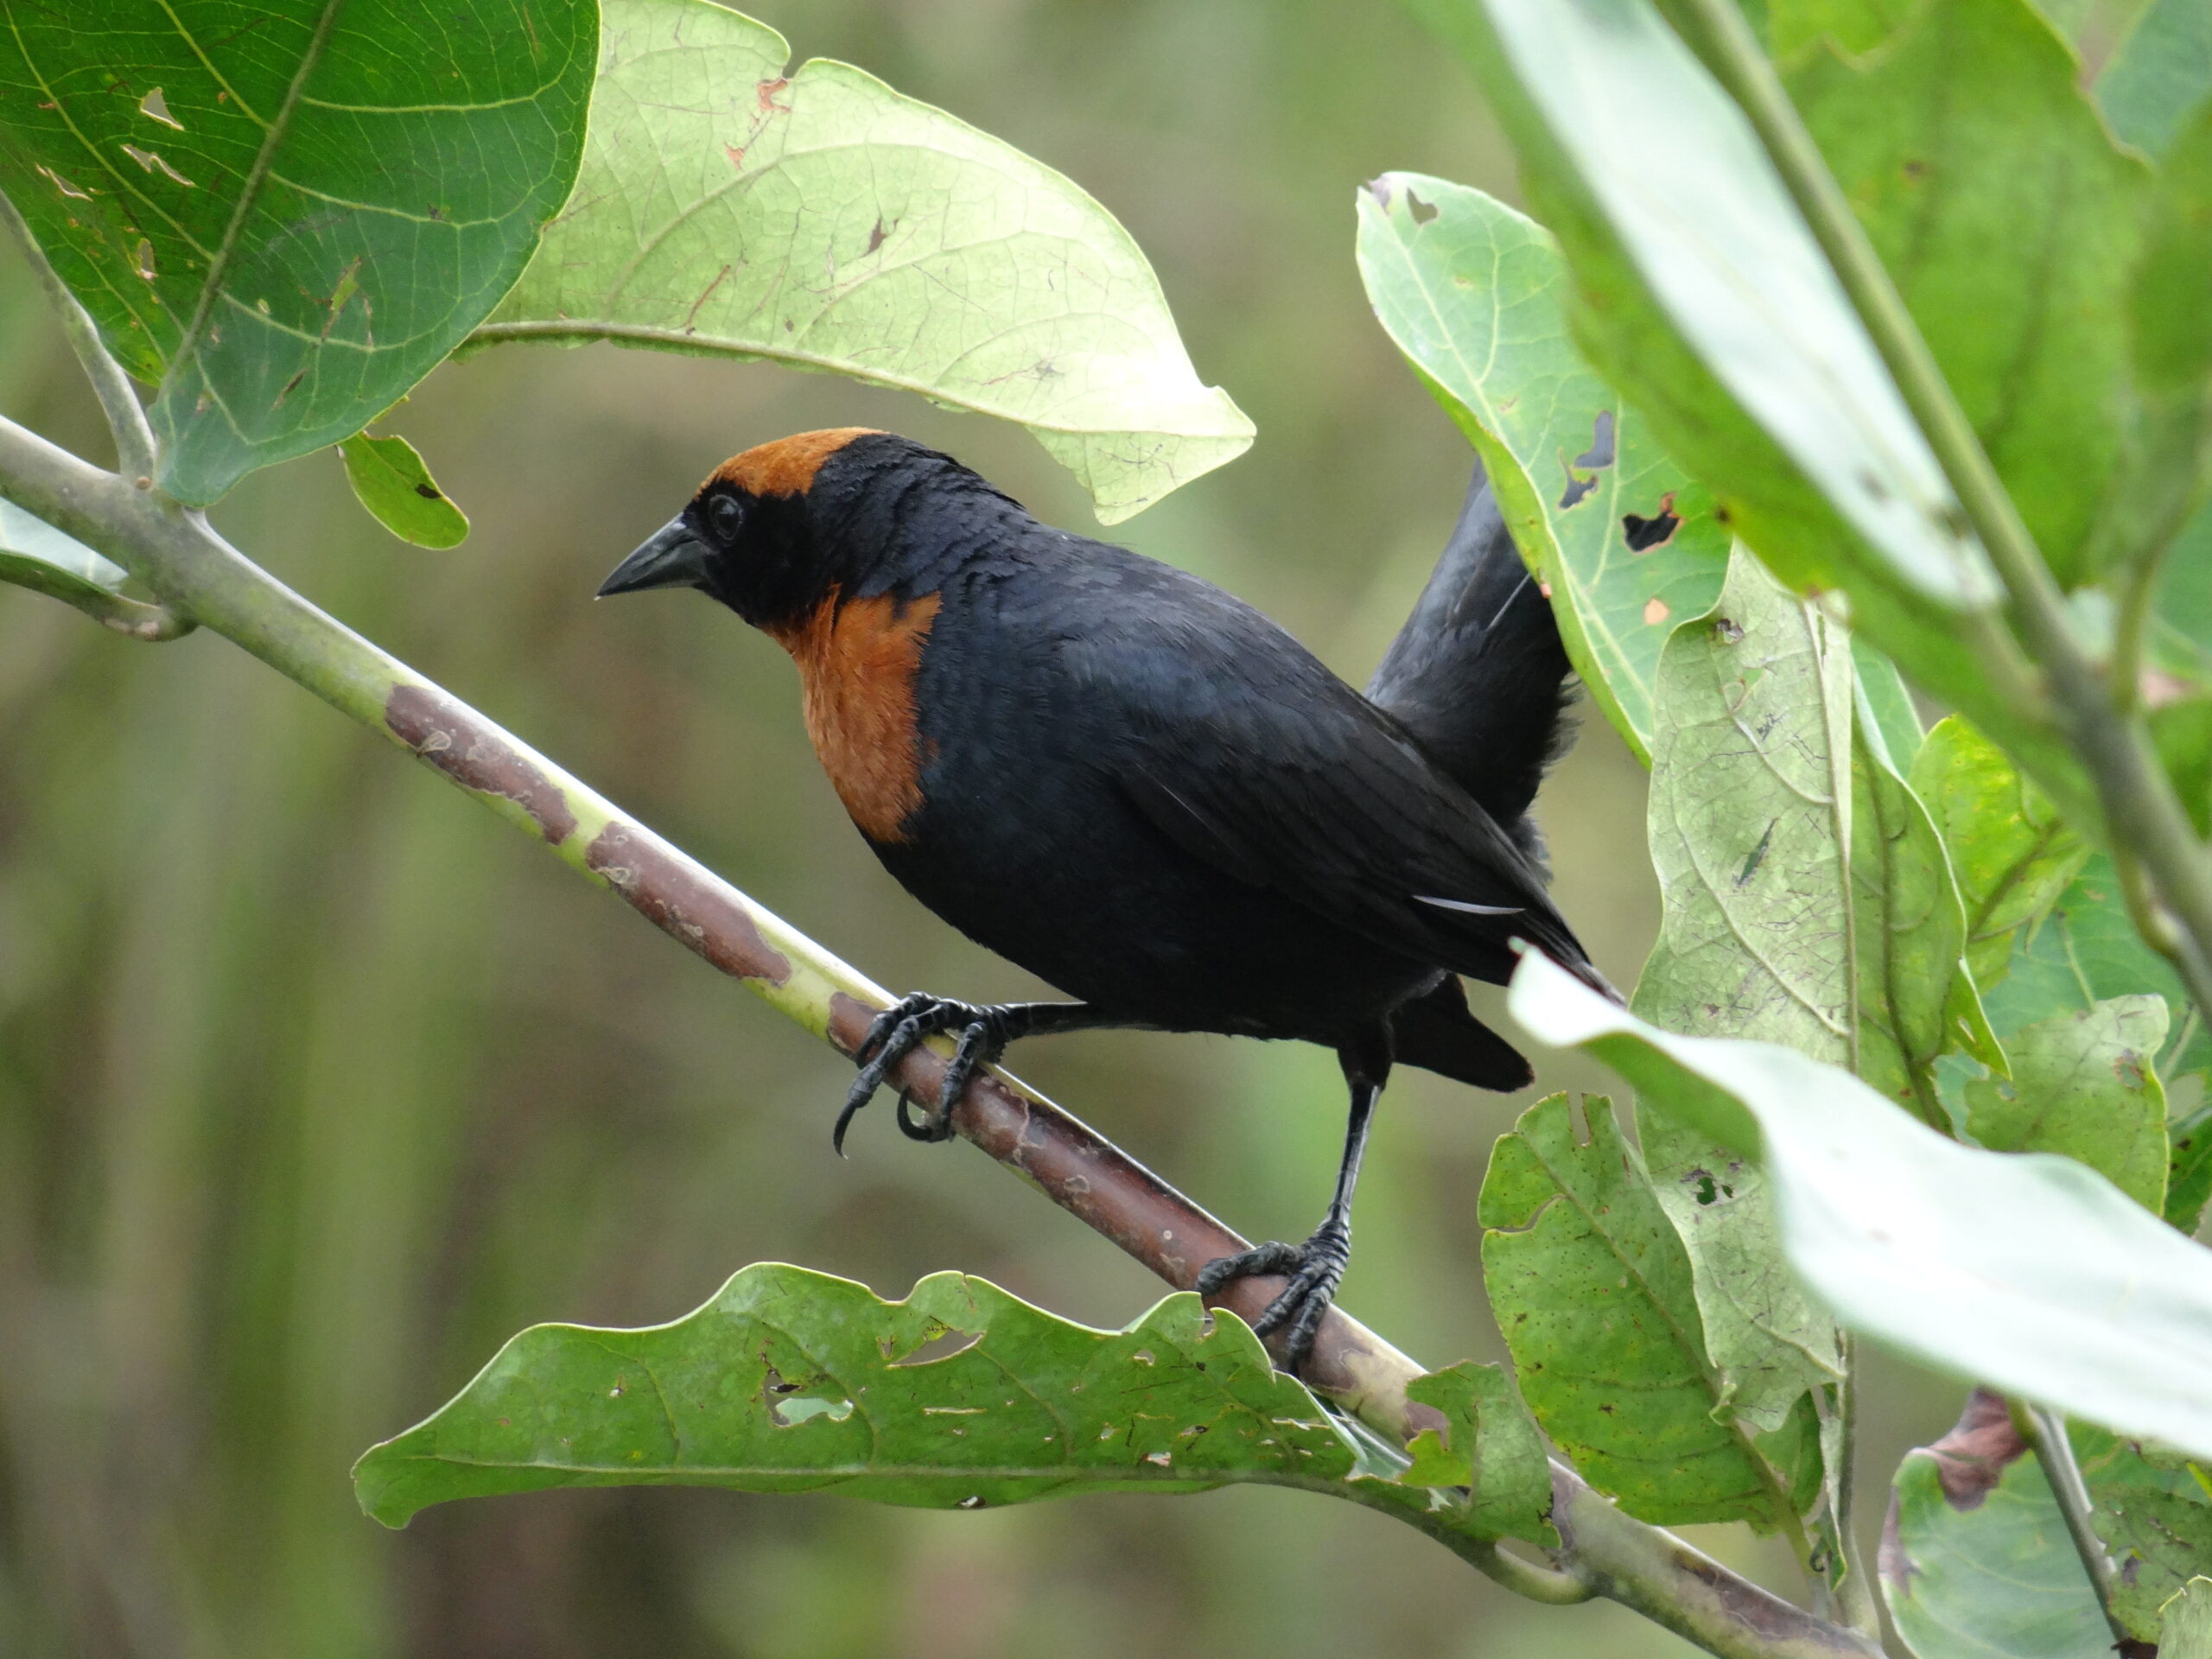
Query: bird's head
[[778, 531]]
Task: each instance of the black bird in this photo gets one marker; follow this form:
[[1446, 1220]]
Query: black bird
[[1144, 791]]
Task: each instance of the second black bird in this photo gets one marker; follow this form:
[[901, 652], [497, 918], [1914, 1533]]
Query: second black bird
[[1145, 793]]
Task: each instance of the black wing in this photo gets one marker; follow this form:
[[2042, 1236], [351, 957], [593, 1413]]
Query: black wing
[[1246, 751]]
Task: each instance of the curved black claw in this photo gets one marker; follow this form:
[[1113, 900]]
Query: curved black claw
[[895, 1033], [1314, 1268]]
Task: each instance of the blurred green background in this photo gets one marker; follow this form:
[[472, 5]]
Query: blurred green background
[[316, 1082]]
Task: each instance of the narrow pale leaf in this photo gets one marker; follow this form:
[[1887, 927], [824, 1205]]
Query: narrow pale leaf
[[822, 220], [2027, 1272], [1474, 295], [283, 219], [35, 555], [394, 485]]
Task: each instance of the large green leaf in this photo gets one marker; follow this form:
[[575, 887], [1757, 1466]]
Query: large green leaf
[[1473, 294], [2084, 1085], [2010, 225], [1702, 295], [2160, 76], [2026, 1271], [1490, 1459], [959, 1397], [2011, 853], [1748, 814], [1593, 1292], [283, 216], [2155, 1516], [1976, 1559], [823, 221]]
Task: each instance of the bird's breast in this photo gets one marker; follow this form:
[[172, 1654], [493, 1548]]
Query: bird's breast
[[856, 662]]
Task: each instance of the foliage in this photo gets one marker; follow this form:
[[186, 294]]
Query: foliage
[[1827, 371]]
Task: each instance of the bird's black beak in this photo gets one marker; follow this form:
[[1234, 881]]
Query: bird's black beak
[[674, 558]]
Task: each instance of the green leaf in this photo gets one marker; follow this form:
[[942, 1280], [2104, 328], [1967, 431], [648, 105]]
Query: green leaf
[[2028, 1272], [1795, 27], [2083, 1085], [1593, 1290], [1888, 702], [1976, 1559], [2011, 226], [825, 221], [2010, 852], [788, 1381], [2155, 1518], [2185, 1622], [284, 220], [395, 486], [2160, 76], [1749, 789], [1491, 1445], [2183, 635], [1473, 294], [1703, 297], [2189, 1169], [2085, 950], [1908, 934]]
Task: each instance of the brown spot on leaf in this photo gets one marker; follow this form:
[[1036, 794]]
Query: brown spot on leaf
[[875, 236], [1655, 612], [685, 902], [459, 743]]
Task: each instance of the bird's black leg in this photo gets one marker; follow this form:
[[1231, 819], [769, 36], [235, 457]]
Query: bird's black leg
[[985, 1030], [1316, 1268]]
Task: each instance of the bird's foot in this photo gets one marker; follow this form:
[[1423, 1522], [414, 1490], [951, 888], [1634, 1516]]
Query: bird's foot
[[1314, 1268], [897, 1031]]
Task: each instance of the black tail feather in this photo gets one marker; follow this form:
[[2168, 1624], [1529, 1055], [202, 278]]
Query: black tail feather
[[1477, 675], [1436, 1033]]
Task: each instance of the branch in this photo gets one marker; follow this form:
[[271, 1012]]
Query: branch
[[2045, 1433], [182, 560], [2144, 817]]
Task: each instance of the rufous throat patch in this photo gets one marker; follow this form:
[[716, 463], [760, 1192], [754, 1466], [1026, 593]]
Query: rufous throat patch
[[856, 665], [787, 466]]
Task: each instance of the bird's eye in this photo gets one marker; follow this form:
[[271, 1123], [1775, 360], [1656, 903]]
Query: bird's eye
[[724, 517]]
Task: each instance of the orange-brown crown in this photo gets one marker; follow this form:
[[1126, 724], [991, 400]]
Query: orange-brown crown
[[787, 466]]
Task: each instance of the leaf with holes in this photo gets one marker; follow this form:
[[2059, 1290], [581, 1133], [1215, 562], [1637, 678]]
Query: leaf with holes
[[1976, 1561], [959, 1397], [1593, 1292], [2026, 1271], [280, 218], [1701, 295], [1473, 294], [823, 221], [1490, 1456], [393, 484]]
